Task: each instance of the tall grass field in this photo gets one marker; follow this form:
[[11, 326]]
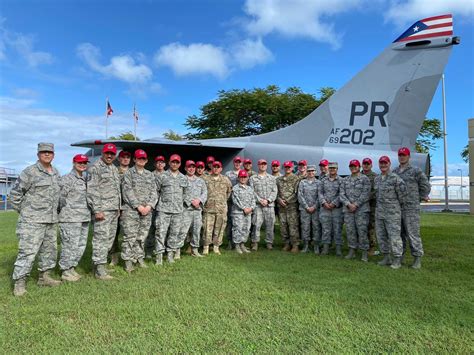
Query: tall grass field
[[263, 302]]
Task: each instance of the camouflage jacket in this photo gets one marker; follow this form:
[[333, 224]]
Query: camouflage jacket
[[173, 192], [73, 198], [232, 175], [103, 188], [243, 196], [308, 191], [198, 190], [418, 186], [371, 175], [122, 172], [329, 191], [390, 191], [321, 177], [265, 188], [218, 192], [35, 194], [356, 190], [139, 189], [288, 189]]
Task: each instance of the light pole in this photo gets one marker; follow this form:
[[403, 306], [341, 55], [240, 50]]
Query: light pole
[[460, 170]]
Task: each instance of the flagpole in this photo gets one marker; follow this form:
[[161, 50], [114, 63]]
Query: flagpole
[[445, 141], [135, 121], [106, 119]]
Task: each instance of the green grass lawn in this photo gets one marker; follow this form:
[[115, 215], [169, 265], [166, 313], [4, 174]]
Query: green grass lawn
[[266, 302]]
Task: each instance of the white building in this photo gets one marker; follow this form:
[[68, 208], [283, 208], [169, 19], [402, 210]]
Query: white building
[[457, 189]]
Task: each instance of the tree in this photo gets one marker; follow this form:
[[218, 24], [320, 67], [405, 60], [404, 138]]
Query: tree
[[172, 135], [465, 153], [126, 136], [429, 132]]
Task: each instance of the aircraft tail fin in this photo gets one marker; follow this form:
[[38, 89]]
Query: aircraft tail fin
[[385, 104]]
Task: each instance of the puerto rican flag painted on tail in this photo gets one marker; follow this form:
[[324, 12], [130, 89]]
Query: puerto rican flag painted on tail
[[437, 26]]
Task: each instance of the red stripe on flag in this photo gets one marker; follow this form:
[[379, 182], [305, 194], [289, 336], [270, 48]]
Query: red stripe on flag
[[439, 25], [438, 34], [437, 18]]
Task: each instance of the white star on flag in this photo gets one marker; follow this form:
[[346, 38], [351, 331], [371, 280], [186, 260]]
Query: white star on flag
[[415, 29]]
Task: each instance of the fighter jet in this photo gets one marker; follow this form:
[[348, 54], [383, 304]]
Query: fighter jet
[[380, 110]]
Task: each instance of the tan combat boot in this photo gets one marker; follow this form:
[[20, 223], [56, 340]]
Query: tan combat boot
[[75, 273], [45, 279], [142, 264], [244, 248], [238, 250], [101, 273], [19, 289], [216, 250], [114, 259], [177, 254], [254, 246], [269, 246], [189, 250], [68, 275], [205, 250], [286, 247], [295, 249], [195, 252], [129, 266]]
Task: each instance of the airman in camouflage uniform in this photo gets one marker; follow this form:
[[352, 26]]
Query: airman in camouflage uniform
[[104, 199], [288, 205], [367, 171], [276, 169], [309, 209], [418, 189], [390, 191], [354, 196], [160, 165], [265, 188], [233, 176], [248, 168], [140, 198], [209, 163], [243, 203], [173, 189], [192, 215], [124, 158], [302, 169], [219, 189], [331, 212], [74, 218], [323, 169], [200, 168], [35, 195]]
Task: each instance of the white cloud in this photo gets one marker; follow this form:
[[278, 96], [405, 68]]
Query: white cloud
[[453, 169], [249, 53], [122, 67], [22, 126], [197, 58], [23, 46], [297, 18], [402, 12]]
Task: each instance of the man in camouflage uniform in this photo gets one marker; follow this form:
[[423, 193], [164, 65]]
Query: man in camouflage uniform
[[331, 210], [200, 168], [104, 199], [367, 171], [173, 189], [35, 195], [140, 198], [265, 188], [354, 196], [302, 169], [276, 169], [160, 165], [390, 192], [248, 167], [323, 169], [192, 215], [309, 209], [232, 175], [418, 189], [219, 189], [74, 218], [124, 158], [288, 205], [209, 164], [243, 203]]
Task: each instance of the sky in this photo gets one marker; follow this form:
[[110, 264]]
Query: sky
[[60, 60]]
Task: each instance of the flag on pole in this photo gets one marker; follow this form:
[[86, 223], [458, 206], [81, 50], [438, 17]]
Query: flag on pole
[[135, 114], [109, 109]]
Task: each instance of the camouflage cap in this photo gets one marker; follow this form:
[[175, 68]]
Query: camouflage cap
[[45, 147], [311, 168], [333, 165]]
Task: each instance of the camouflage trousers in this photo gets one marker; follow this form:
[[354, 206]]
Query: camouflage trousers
[[103, 238], [289, 225], [331, 223], [241, 224], [356, 229], [135, 230], [35, 238], [310, 226], [372, 236], [73, 243], [388, 235], [150, 239], [214, 227], [192, 223], [168, 228], [411, 232], [264, 215]]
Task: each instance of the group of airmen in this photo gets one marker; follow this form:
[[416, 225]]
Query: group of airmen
[[158, 212]]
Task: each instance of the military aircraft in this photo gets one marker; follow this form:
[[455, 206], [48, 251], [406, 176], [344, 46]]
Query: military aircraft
[[381, 109]]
